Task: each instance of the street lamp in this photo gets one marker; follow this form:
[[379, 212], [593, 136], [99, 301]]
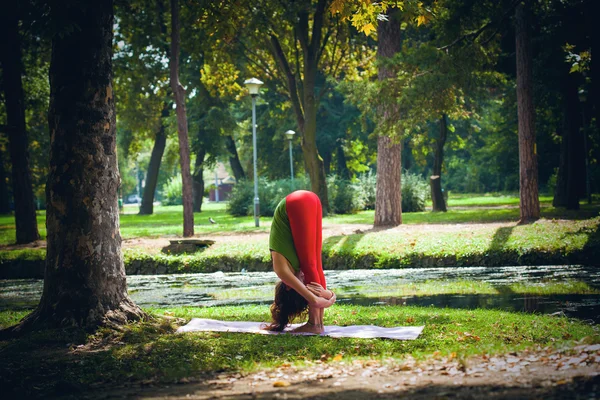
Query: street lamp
[[290, 135], [582, 99], [253, 86]]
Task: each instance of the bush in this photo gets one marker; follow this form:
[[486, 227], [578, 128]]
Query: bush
[[270, 193], [415, 191], [366, 188], [344, 197], [172, 192]]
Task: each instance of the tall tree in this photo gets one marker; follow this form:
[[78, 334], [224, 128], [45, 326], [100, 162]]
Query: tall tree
[[437, 197], [12, 70], [182, 128], [388, 203], [528, 170], [302, 87], [4, 195], [84, 283], [160, 143]]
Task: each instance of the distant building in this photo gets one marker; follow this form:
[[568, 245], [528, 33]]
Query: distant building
[[223, 181]]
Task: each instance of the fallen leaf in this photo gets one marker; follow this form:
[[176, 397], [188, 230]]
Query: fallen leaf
[[338, 357], [281, 384], [410, 320]]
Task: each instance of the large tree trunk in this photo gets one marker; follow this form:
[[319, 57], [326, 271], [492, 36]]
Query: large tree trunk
[[234, 159], [528, 169], [182, 128], [199, 180], [437, 196], [4, 195], [10, 57], [84, 283], [388, 197], [160, 142]]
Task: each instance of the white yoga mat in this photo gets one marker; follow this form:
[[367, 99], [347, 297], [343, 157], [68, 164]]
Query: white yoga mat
[[354, 331]]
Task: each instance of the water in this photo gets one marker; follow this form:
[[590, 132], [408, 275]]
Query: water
[[364, 287]]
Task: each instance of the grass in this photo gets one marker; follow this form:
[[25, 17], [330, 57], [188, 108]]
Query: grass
[[167, 220], [544, 242], [40, 363]]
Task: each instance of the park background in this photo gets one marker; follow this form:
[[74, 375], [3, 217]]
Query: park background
[[453, 144]]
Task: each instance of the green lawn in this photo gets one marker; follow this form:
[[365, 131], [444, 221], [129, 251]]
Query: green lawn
[[38, 363], [167, 220]]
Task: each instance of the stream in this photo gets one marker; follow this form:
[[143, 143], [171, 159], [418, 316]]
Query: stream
[[361, 287]]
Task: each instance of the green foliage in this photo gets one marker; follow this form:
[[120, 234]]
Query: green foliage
[[270, 193], [344, 196], [415, 192], [366, 185], [172, 191]]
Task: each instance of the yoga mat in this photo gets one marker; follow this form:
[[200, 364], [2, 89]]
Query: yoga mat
[[354, 331]]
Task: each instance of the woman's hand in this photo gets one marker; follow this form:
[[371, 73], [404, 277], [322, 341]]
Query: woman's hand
[[320, 302], [319, 291]]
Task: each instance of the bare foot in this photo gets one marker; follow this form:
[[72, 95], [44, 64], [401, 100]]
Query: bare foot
[[309, 328]]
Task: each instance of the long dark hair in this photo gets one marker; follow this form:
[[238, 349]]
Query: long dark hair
[[287, 306]]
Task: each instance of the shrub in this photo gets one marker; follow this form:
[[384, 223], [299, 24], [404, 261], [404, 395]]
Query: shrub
[[172, 191], [344, 197], [365, 186], [270, 193], [415, 191]]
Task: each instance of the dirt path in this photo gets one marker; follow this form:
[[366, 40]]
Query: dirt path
[[541, 374]]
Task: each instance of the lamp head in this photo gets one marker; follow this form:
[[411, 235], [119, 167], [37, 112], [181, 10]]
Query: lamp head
[[290, 134], [253, 86]]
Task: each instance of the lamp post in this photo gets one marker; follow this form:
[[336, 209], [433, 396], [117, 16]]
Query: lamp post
[[253, 86], [588, 189], [290, 135]]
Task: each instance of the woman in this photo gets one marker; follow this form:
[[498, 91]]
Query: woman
[[295, 244]]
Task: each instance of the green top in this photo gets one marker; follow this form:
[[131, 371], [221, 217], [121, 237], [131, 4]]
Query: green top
[[281, 239]]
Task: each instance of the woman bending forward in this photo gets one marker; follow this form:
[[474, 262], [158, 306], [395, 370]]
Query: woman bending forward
[[295, 244]]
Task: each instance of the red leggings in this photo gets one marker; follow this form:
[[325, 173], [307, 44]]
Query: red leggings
[[305, 215]]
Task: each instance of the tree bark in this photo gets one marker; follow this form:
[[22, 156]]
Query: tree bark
[[12, 69], [437, 195], [199, 180], [528, 168], [84, 283], [234, 159], [182, 128], [160, 142], [388, 197], [4, 195]]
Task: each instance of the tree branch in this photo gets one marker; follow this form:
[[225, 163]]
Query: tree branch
[[477, 33], [279, 56]]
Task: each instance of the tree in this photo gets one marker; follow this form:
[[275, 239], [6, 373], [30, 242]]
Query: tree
[[12, 69], [182, 128], [388, 203], [141, 84], [528, 170], [84, 283], [437, 198]]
